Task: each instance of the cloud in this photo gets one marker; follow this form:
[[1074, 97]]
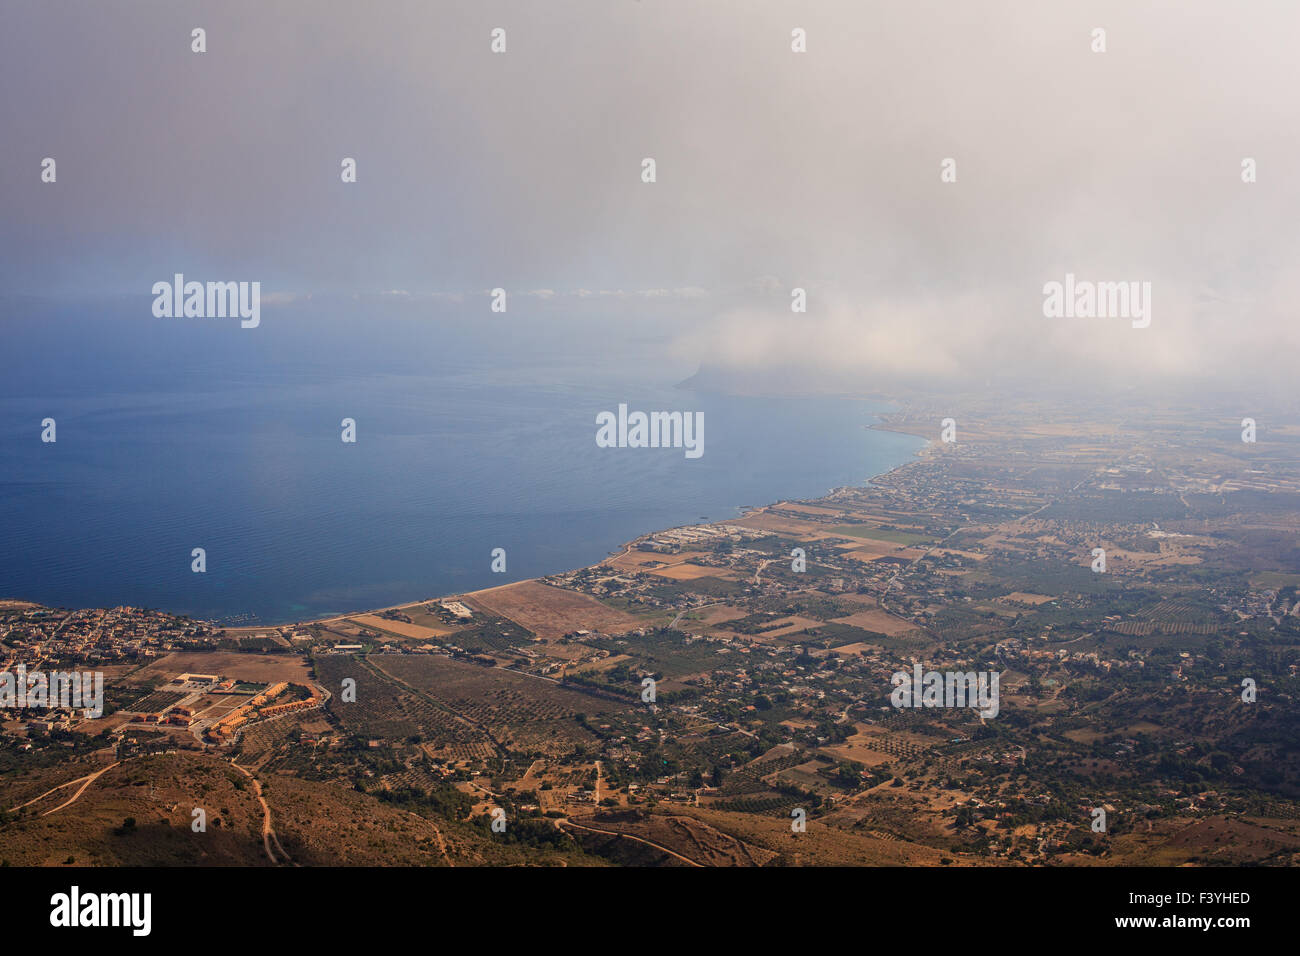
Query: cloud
[[693, 292], [819, 170]]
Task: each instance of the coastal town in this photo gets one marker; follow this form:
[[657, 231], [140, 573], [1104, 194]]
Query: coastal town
[[722, 694]]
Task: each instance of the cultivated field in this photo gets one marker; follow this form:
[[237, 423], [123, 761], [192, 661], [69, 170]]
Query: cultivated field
[[551, 612], [874, 619], [415, 631], [261, 668]]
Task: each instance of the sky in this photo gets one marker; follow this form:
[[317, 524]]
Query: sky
[[774, 170]]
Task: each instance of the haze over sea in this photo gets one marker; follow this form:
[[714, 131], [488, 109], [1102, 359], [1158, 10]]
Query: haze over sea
[[471, 435]]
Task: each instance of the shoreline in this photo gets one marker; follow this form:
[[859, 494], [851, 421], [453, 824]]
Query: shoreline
[[880, 425], [243, 629]]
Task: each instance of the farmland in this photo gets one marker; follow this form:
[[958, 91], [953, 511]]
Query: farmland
[[688, 700]]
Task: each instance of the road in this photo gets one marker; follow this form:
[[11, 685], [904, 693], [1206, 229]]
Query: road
[[687, 610], [268, 834], [88, 778], [442, 846], [561, 823]]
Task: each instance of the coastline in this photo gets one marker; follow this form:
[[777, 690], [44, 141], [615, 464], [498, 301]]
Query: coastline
[[883, 424]]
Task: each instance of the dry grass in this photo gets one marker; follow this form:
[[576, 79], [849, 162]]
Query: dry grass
[[882, 622], [552, 612], [256, 668], [414, 631]]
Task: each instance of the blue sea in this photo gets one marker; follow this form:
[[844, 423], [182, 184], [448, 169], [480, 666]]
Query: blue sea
[[188, 433]]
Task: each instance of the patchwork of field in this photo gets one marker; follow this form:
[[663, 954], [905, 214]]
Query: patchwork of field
[[775, 690], [485, 691], [386, 710], [522, 712], [551, 612]]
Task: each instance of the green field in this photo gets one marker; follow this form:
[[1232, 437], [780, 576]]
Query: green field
[[873, 533], [1274, 579]]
